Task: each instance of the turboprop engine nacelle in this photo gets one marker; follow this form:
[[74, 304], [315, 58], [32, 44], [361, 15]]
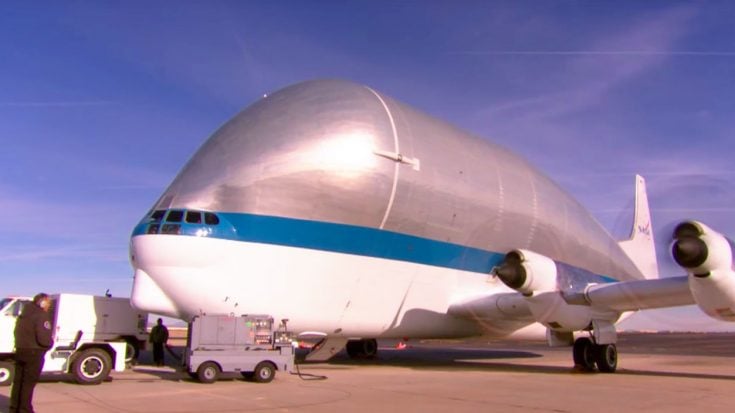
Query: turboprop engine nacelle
[[527, 272], [534, 276], [707, 256]]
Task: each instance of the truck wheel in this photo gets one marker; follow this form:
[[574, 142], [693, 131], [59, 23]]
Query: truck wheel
[[7, 370], [91, 366], [132, 350], [208, 372], [264, 372]]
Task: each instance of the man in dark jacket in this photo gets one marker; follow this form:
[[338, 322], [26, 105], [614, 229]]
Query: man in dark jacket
[[32, 340], [158, 337]]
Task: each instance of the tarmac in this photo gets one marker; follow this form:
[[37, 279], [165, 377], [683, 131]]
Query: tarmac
[[657, 373]]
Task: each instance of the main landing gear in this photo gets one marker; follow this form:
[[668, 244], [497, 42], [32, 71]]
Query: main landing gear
[[587, 354], [366, 348]]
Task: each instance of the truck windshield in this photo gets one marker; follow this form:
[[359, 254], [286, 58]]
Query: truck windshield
[[14, 306]]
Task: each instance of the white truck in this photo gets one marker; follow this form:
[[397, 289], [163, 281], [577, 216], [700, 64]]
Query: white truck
[[92, 335]]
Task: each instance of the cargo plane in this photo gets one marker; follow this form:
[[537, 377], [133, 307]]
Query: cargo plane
[[357, 217]]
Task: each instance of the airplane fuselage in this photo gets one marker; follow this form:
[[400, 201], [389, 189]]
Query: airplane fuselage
[[352, 214]]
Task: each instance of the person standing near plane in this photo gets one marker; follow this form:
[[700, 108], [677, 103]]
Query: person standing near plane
[[158, 337], [33, 337]]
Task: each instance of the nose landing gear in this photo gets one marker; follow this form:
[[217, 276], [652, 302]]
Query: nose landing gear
[[362, 349]]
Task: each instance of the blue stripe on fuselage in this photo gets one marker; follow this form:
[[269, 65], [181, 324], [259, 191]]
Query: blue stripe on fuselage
[[349, 239], [370, 242]]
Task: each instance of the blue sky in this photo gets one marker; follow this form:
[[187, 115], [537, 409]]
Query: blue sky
[[101, 103]]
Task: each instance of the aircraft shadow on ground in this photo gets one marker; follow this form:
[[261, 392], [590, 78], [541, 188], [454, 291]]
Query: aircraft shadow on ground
[[441, 359], [454, 359], [418, 357]]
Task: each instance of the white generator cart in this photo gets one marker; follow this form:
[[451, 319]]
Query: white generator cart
[[247, 344]]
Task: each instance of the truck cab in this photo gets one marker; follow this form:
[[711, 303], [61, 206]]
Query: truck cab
[[10, 309]]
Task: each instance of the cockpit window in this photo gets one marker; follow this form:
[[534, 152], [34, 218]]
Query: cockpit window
[[175, 215], [194, 217], [171, 229], [210, 218], [178, 222]]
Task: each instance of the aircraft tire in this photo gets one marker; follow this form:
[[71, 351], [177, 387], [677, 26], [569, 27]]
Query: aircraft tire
[[584, 354], [370, 348], [362, 349], [353, 349], [606, 357]]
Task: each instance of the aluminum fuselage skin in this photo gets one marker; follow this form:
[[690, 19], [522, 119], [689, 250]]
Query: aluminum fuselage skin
[[343, 155]]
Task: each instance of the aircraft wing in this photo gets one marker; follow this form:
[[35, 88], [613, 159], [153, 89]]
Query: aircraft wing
[[617, 297], [706, 255], [636, 295]]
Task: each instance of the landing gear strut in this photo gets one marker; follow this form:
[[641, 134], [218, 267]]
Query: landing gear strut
[[587, 354], [362, 349]]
